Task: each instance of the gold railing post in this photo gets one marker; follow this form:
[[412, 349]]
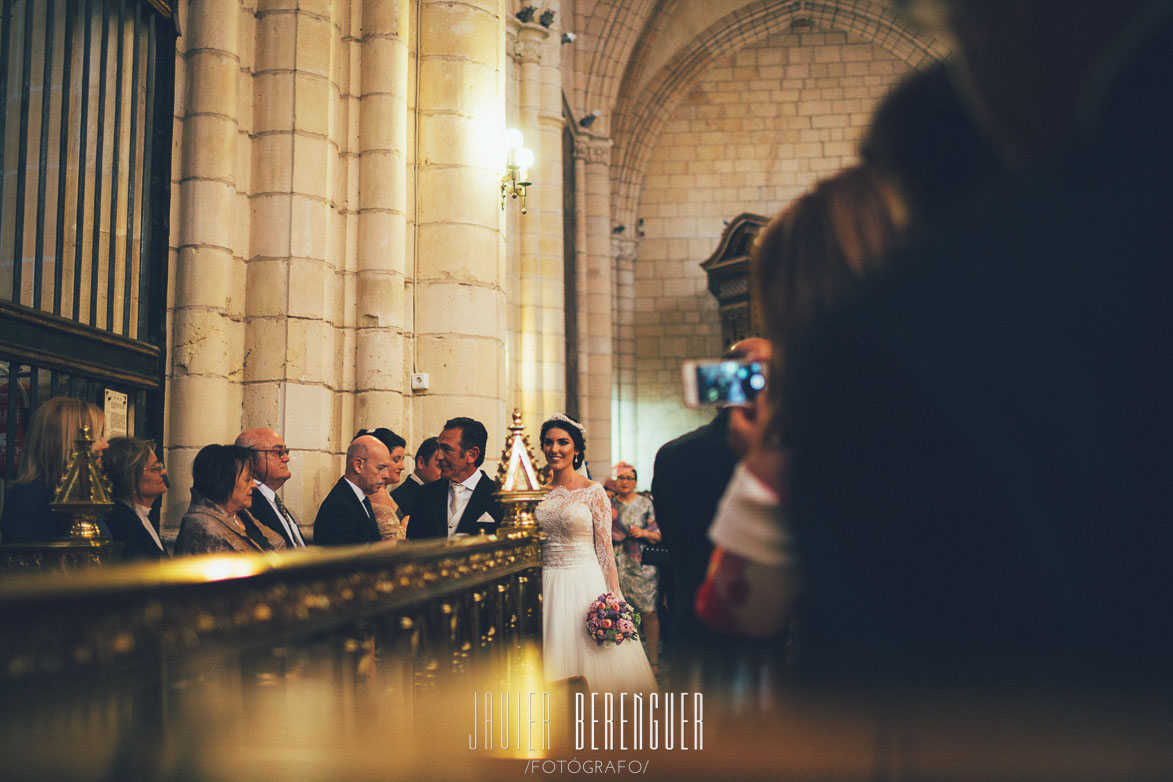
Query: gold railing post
[[83, 492], [521, 484]]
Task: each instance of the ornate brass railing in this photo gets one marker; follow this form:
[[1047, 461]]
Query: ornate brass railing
[[474, 593], [121, 654]]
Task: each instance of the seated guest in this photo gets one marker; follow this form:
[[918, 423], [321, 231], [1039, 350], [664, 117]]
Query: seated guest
[[346, 516], [462, 502], [270, 471], [391, 519], [138, 479], [427, 469], [218, 519], [51, 435]]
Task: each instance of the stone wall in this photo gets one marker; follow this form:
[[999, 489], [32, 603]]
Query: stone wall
[[755, 131], [321, 250]]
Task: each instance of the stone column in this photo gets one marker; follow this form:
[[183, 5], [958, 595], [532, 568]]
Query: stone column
[[460, 316], [206, 343], [595, 339], [624, 427], [291, 367], [382, 208], [528, 55], [580, 277], [548, 203]]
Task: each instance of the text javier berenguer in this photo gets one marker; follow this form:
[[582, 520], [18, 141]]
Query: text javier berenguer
[[637, 721]]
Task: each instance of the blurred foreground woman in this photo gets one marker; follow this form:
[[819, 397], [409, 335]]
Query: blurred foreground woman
[[809, 256]]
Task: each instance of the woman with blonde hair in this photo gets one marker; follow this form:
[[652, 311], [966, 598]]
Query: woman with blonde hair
[[52, 433]]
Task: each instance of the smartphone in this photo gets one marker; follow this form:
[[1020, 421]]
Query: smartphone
[[722, 383]]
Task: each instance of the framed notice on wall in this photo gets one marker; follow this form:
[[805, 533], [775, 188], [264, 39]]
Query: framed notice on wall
[[115, 409]]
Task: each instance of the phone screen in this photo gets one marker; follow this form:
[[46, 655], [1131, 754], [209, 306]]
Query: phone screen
[[728, 382]]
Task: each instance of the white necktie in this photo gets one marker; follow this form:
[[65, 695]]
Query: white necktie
[[454, 506]]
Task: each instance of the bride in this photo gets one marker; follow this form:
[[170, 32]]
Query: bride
[[578, 565]]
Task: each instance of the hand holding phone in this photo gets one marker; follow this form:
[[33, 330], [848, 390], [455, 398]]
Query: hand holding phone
[[722, 383]]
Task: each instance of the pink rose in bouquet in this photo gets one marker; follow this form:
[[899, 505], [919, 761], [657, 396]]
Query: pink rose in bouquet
[[611, 620]]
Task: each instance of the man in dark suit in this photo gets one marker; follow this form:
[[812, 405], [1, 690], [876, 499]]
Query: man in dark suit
[[270, 468], [982, 438], [346, 516], [462, 501], [690, 475], [427, 469]]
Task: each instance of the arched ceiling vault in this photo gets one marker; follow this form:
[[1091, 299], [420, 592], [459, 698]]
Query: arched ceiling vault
[[639, 115], [613, 27]]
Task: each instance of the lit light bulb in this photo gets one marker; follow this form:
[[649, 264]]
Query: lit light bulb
[[524, 158], [512, 139]]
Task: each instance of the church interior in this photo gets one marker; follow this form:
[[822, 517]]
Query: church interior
[[319, 217]]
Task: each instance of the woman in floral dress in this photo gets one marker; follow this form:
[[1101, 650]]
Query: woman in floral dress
[[635, 527]]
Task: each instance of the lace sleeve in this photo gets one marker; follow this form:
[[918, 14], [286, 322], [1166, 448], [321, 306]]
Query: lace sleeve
[[601, 514]]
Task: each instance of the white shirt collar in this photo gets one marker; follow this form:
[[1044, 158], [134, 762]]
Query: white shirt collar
[[415, 478], [143, 514], [470, 482], [354, 487], [265, 490]]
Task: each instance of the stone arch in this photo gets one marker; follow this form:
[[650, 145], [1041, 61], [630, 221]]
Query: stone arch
[[639, 118], [615, 26]]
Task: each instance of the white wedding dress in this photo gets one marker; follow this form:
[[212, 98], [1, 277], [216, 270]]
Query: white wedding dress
[[578, 565]]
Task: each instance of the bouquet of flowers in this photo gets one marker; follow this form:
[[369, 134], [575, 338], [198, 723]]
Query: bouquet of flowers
[[612, 621]]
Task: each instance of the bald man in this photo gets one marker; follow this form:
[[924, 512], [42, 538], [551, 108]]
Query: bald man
[[346, 516], [270, 468]]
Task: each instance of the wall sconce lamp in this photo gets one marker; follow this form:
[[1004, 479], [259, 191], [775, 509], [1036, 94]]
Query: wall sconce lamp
[[518, 160]]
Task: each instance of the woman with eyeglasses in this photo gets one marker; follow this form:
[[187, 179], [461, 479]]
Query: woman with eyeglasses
[[138, 479], [218, 519], [635, 527]]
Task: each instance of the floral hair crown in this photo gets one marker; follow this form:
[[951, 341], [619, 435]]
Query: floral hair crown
[[563, 418]]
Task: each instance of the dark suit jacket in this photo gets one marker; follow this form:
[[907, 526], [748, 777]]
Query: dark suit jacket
[[983, 438], [126, 527], [405, 494], [263, 512], [430, 516], [690, 476], [342, 520]]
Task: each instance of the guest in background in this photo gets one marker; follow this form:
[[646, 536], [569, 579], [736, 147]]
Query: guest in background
[[463, 501], [427, 469], [391, 518], [270, 471], [218, 519], [52, 433], [346, 516], [634, 528], [138, 479], [690, 475]]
